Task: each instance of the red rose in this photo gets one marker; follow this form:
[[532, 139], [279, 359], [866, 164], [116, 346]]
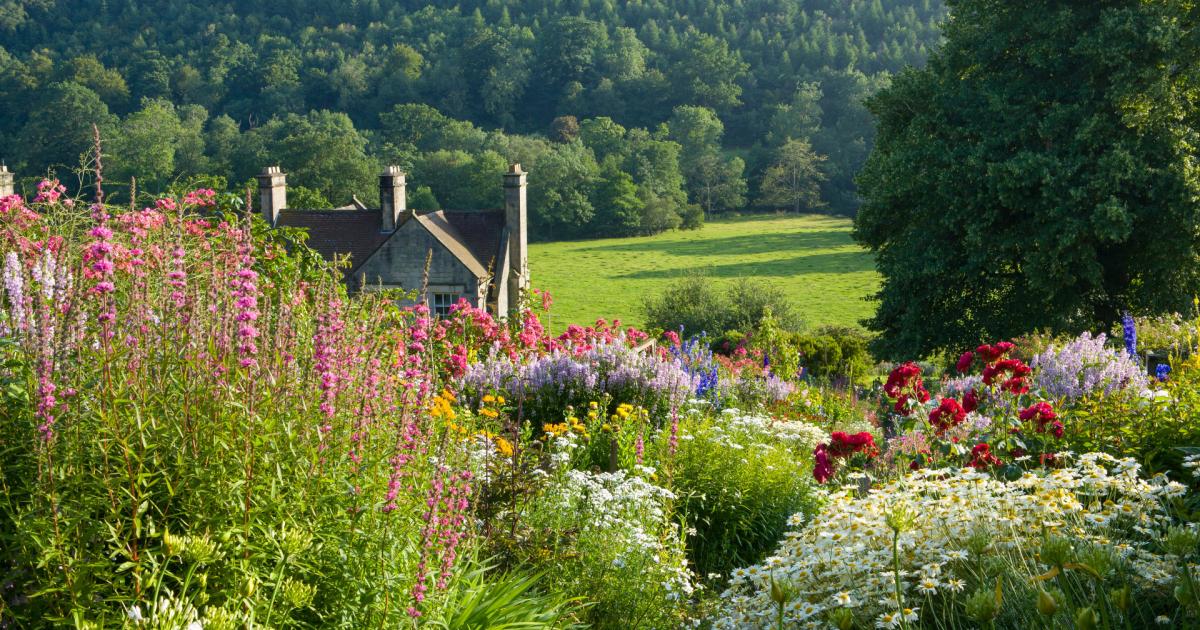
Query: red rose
[[948, 414], [964, 361], [982, 457], [970, 401]]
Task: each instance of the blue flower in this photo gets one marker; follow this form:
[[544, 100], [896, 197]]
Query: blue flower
[[1161, 371], [1130, 333]]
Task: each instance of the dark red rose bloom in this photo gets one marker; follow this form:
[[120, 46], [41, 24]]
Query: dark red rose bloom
[[1043, 414], [964, 362], [914, 465], [842, 444], [991, 354], [1004, 369], [982, 457], [1016, 385], [948, 414], [903, 383], [901, 377], [970, 401], [988, 353]]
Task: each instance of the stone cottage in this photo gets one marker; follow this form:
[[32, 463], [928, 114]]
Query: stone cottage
[[480, 255]]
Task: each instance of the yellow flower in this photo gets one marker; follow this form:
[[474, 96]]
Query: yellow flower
[[593, 405], [489, 413], [504, 447], [556, 429], [489, 399], [499, 400]]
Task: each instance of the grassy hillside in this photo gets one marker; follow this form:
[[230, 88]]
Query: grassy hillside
[[811, 257]]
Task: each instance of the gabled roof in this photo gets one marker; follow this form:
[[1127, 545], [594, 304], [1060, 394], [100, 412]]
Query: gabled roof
[[350, 231], [472, 236]]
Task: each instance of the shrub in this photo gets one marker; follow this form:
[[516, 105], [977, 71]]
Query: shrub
[[739, 477], [693, 304]]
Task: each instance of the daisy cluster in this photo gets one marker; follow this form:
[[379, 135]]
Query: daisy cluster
[[842, 561]]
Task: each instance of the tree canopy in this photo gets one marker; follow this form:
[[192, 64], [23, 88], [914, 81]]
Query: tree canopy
[[415, 77], [1038, 173]]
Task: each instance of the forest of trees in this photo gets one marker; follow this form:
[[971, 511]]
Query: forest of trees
[[635, 116]]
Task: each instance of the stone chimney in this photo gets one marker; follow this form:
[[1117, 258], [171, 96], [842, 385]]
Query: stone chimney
[[516, 220], [6, 181], [272, 192], [391, 197]]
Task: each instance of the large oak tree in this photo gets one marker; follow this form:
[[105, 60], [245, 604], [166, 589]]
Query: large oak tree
[[1040, 172]]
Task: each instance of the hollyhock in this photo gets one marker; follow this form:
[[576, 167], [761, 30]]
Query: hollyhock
[[823, 464]]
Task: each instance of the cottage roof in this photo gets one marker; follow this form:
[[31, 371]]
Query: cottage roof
[[346, 231], [472, 236]]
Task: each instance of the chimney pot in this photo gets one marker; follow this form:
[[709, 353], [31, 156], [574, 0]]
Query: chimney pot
[[392, 200], [516, 221], [6, 181], [272, 193]]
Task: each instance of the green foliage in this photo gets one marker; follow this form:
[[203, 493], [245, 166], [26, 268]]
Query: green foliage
[[610, 538], [792, 180], [738, 484], [435, 76], [1149, 429], [693, 304], [833, 351], [478, 599], [1066, 201]]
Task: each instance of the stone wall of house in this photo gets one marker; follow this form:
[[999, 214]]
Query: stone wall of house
[[400, 262]]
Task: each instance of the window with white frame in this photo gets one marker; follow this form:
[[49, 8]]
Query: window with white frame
[[442, 303]]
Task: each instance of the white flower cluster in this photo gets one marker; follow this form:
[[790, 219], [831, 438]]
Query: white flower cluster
[[628, 513], [1192, 462], [843, 558], [738, 428]]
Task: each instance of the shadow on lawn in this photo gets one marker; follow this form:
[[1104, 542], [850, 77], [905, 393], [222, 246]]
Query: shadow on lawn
[[833, 262], [734, 245]]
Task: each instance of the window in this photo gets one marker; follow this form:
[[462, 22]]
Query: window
[[442, 303]]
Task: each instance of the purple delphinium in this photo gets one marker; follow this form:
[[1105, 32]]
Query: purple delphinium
[[1085, 366]]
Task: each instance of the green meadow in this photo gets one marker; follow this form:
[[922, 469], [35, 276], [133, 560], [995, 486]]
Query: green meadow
[[811, 257]]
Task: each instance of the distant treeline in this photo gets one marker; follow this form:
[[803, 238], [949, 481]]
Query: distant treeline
[[637, 116]]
